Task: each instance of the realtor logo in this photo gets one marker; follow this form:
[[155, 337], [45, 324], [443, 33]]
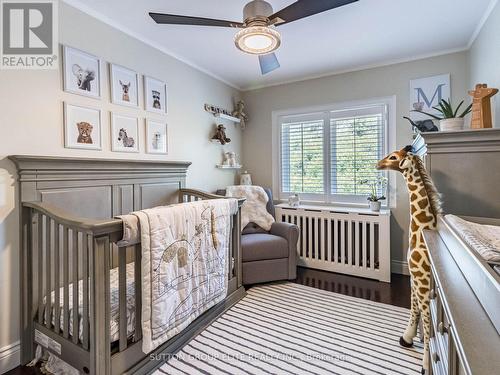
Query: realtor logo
[[29, 34]]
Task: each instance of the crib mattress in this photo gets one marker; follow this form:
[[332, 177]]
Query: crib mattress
[[114, 297], [484, 239]]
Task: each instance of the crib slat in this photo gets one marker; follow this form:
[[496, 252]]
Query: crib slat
[[48, 278], [41, 292], [75, 304], [65, 283], [57, 281], [138, 292], [122, 296], [85, 288]]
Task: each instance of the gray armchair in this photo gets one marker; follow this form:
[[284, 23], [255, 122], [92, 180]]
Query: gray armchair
[[268, 256]]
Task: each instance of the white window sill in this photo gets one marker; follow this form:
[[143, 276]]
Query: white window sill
[[358, 209]]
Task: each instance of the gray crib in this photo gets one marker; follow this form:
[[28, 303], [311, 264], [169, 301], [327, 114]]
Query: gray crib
[[68, 235]]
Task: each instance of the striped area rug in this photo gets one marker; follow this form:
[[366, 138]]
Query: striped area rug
[[294, 329]]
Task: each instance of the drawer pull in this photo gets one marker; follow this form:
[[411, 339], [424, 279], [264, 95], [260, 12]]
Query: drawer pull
[[442, 329], [435, 357]]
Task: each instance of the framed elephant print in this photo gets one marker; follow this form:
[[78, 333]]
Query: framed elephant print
[[124, 86], [81, 73], [82, 127], [124, 133]]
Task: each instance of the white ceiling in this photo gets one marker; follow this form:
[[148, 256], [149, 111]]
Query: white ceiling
[[363, 34]]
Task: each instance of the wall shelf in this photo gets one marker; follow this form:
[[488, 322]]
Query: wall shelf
[[227, 117], [221, 166]]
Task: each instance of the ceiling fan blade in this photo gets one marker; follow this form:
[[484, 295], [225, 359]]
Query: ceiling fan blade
[[305, 8], [173, 19], [268, 63]]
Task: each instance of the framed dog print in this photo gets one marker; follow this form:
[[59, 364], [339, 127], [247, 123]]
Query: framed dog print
[[156, 137], [124, 133], [81, 73], [82, 127], [155, 95], [124, 86]]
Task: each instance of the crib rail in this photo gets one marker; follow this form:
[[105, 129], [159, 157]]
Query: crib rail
[[66, 263]]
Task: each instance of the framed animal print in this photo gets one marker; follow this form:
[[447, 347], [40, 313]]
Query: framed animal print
[[124, 86], [82, 127], [156, 137], [124, 133], [81, 73], [155, 95]]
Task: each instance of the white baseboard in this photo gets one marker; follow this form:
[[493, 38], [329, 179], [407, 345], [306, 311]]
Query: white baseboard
[[399, 266], [10, 357]]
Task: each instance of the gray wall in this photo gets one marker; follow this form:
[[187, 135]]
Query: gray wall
[[371, 83], [31, 115], [484, 57]]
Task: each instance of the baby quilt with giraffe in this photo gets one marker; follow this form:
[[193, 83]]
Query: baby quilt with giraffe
[[185, 258]]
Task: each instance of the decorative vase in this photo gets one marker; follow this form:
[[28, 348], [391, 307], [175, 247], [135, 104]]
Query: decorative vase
[[375, 206], [450, 124], [245, 178]]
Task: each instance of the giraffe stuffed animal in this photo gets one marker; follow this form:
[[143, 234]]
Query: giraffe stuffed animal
[[425, 205]]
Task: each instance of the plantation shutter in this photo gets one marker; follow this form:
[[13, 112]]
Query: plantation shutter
[[357, 142], [302, 154]]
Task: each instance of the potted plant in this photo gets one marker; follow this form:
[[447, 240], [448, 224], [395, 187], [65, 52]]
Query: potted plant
[[374, 197], [449, 118]]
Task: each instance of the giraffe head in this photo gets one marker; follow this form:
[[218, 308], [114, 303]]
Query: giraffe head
[[397, 161]]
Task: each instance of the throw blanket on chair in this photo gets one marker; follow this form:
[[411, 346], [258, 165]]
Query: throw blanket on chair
[[254, 208], [185, 250]]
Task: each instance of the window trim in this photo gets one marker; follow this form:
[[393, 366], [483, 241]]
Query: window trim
[[390, 142]]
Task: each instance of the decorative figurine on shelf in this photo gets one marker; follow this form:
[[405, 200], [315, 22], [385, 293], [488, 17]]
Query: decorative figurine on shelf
[[240, 114], [245, 178], [481, 106], [423, 126], [220, 135], [230, 159]]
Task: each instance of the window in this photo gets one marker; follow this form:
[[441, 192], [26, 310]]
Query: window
[[326, 155]]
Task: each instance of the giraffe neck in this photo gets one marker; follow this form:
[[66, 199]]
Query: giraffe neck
[[421, 213]]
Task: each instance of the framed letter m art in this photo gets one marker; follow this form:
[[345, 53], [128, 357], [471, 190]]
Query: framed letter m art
[[426, 93]]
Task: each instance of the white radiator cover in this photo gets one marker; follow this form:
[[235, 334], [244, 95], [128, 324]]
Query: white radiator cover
[[350, 241]]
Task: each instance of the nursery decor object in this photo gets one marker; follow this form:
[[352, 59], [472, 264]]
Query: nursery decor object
[[481, 106], [156, 137], [220, 135], [81, 73], [239, 113], [425, 205], [155, 95], [230, 159], [426, 93], [82, 127], [124, 86], [124, 133], [294, 200], [377, 189], [423, 126], [245, 178], [449, 119], [221, 113]]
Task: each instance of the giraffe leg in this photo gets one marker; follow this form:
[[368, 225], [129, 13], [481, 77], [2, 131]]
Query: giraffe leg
[[422, 289], [411, 330]]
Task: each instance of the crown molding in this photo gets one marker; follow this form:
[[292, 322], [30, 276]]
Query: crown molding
[[482, 22], [80, 5]]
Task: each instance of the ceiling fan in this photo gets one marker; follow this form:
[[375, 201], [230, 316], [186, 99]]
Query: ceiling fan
[[258, 34]]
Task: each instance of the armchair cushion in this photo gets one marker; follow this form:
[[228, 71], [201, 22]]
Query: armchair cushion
[[262, 246]]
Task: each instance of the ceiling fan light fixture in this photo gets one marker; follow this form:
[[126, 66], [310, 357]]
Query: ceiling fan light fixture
[[257, 40]]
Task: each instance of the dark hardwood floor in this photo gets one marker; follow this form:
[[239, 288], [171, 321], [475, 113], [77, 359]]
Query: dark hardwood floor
[[396, 293]]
